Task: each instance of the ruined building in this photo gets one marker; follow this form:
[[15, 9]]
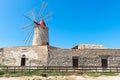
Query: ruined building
[[42, 54]]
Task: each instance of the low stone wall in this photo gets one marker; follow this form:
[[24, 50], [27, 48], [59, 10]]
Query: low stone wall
[[34, 56], [86, 57], [89, 46]]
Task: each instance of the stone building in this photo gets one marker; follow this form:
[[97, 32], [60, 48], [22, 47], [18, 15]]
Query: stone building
[[24, 56], [84, 57], [52, 56], [41, 54]]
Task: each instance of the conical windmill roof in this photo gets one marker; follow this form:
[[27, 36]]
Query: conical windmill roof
[[42, 23]]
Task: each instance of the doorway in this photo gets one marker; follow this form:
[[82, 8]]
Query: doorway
[[23, 60], [104, 63], [75, 61]]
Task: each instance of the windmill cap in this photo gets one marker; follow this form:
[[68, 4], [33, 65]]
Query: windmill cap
[[42, 23]]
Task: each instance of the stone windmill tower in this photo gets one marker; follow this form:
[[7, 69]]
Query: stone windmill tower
[[39, 30], [41, 34]]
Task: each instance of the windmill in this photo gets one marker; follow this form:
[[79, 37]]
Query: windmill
[[37, 28]]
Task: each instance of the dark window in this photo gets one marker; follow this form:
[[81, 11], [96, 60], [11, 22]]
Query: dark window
[[23, 60], [75, 61], [104, 63], [47, 43]]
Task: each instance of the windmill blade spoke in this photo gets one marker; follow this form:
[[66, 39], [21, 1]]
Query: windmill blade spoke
[[33, 14], [27, 26], [43, 7], [28, 36], [48, 19], [28, 41], [49, 15], [28, 18]]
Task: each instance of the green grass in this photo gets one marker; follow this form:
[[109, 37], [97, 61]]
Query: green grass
[[1, 65], [36, 73], [53, 73]]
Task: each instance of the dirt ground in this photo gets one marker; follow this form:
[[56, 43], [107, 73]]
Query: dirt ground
[[73, 77]]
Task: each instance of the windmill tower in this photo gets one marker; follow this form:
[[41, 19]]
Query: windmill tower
[[41, 34], [39, 28]]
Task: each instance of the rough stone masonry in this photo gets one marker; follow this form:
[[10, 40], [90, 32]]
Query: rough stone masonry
[[52, 56]]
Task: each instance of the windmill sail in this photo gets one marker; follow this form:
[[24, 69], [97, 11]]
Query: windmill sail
[[39, 30]]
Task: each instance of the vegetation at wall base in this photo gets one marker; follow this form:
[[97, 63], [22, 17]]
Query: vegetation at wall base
[[53, 73], [34, 73]]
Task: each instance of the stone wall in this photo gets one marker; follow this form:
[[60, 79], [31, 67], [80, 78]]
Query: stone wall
[[89, 46], [50, 56], [34, 56], [1, 55], [86, 57]]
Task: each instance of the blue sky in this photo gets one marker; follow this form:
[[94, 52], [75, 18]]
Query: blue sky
[[74, 22]]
